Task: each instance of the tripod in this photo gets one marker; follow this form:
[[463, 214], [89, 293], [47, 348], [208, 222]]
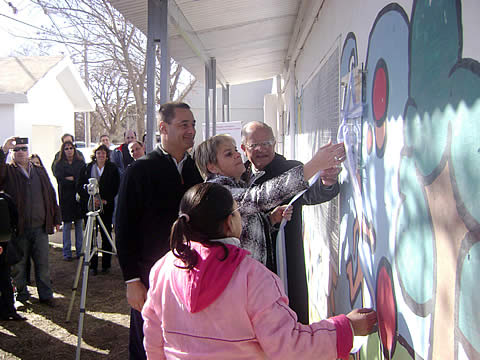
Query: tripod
[[84, 260]]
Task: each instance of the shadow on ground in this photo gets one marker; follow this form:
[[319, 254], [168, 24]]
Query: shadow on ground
[[47, 335]]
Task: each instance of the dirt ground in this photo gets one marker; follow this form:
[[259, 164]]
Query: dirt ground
[[47, 335]]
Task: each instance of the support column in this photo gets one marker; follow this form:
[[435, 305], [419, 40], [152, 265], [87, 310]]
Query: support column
[[213, 93], [227, 97], [207, 102], [157, 34]]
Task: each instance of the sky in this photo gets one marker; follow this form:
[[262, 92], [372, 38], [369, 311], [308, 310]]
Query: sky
[[24, 23]]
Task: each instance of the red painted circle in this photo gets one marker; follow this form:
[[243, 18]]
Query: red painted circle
[[379, 94], [386, 311]]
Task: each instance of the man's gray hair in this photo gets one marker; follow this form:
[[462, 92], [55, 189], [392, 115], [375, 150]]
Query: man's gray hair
[[206, 152], [246, 129]]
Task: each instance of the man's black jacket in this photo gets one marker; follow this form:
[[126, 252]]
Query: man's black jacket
[[295, 253]]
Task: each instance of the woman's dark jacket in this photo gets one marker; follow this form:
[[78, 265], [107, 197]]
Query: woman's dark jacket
[[67, 189], [108, 184]]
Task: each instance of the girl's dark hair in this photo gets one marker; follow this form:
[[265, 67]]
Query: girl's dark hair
[[62, 151], [206, 206], [100, 147]]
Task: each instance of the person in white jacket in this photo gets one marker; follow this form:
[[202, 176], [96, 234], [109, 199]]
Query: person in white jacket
[[208, 300]]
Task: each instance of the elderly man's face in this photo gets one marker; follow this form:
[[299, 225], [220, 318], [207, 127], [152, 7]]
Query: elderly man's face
[[20, 154], [259, 147], [130, 136]]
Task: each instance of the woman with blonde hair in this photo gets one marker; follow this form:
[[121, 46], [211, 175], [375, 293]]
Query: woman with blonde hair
[[219, 161]]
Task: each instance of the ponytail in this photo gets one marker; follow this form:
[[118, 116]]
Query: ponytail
[[203, 210]]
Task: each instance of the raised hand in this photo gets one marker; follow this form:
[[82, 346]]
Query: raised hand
[[362, 321]]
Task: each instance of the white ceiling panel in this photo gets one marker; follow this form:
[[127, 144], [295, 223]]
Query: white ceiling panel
[[248, 38]]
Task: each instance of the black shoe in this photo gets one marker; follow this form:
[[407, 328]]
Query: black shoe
[[94, 272], [12, 317], [49, 302]]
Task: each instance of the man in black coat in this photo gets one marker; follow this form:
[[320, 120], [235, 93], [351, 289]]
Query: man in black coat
[[149, 200], [258, 143]]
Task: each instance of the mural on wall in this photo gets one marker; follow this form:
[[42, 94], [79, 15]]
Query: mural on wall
[[419, 175]]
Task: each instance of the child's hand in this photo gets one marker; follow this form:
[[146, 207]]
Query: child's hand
[[362, 321]]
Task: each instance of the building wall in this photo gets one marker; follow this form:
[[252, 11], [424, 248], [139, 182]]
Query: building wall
[[409, 244], [246, 103], [48, 114], [7, 116]]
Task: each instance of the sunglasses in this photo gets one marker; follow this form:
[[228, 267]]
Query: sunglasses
[[21, 148], [68, 148]]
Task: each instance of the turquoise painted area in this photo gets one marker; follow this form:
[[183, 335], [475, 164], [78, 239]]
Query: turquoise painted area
[[468, 313], [427, 134], [415, 238], [435, 49], [466, 156]]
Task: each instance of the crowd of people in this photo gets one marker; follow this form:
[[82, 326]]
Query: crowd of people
[[195, 231]]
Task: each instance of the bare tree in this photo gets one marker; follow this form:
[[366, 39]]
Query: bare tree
[[112, 56]]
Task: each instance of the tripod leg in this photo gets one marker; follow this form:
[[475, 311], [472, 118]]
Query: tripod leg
[[99, 219], [86, 264], [86, 234]]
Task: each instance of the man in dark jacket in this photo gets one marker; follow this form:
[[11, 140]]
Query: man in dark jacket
[[121, 155], [36, 203], [149, 200], [258, 143]]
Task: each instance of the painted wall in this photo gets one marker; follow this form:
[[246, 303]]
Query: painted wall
[[414, 248]]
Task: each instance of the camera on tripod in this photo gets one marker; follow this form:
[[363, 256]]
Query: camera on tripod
[[92, 187]]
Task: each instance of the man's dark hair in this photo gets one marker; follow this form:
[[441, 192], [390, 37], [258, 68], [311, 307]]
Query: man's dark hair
[[66, 135], [125, 133], [167, 111], [102, 136]]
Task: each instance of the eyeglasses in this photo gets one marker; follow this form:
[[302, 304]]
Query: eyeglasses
[[261, 144], [21, 148]]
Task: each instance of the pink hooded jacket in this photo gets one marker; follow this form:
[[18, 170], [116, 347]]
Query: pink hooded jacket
[[231, 309]]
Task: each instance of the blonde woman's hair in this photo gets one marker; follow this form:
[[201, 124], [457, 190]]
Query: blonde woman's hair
[[206, 152]]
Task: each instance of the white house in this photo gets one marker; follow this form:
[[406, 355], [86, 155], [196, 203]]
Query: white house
[[38, 98]]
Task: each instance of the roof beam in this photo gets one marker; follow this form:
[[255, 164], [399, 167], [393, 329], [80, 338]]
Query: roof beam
[[190, 37]]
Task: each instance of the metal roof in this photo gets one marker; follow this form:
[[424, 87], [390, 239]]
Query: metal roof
[[248, 38]]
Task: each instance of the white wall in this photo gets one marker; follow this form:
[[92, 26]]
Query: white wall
[[246, 103], [48, 105], [7, 115]]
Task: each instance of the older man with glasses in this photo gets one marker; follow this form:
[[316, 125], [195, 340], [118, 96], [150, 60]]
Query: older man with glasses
[[38, 215], [258, 143]]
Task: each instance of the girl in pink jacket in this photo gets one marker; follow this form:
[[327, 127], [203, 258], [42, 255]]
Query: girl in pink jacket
[[209, 300]]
